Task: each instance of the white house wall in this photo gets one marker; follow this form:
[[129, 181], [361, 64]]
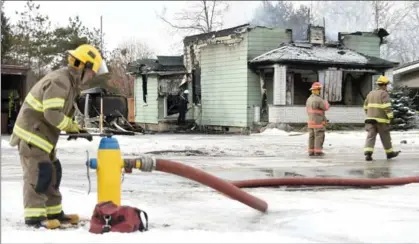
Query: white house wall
[[298, 114]]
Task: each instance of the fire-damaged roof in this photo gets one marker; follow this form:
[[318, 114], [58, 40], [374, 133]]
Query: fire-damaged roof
[[321, 55], [215, 34], [160, 65]]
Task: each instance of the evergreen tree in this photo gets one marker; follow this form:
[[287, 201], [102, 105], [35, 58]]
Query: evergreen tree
[[6, 36], [33, 39], [70, 37], [403, 108]]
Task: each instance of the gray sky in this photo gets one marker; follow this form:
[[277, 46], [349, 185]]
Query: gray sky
[[126, 19]]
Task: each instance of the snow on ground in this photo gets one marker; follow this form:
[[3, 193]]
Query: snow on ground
[[184, 211]]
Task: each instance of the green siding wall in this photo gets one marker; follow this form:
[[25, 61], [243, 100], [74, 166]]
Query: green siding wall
[[369, 45], [146, 114], [224, 84], [260, 40]]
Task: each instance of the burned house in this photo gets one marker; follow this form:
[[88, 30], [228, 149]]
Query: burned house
[[287, 72], [158, 85], [224, 89]]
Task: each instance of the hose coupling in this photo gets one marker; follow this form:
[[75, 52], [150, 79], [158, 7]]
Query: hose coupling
[[147, 163]]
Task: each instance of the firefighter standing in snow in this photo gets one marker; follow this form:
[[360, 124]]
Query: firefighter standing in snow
[[379, 113], [47, 110], [317, 121]]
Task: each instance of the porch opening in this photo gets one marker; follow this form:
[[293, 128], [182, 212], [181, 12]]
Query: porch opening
[[355, 88], [298, 85]]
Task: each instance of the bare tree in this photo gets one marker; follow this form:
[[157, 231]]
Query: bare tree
[[131, 50], [199, 17], [127, 52]]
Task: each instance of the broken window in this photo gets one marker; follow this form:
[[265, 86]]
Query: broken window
[[172, 104], [196, 86], [144, 78]]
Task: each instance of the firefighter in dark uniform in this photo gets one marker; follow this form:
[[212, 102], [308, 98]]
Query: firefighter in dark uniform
[[183, 107], [379, 113]]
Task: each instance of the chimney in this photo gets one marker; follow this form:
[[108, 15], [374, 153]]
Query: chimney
[[316, 35]]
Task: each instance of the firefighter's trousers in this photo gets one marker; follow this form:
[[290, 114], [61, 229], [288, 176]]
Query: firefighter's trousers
[[41, 180], [316, 140], [384, 131]]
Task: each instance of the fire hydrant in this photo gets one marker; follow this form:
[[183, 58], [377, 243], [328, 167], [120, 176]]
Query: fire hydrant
[[108, 166]]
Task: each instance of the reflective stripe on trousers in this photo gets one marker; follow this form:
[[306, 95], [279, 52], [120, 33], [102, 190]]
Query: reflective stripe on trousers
[[35, 212], [370, 149], [54, 209]]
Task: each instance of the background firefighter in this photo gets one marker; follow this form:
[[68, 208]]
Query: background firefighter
[[317, 121], [379, 113], [48, 109], [183, 107]]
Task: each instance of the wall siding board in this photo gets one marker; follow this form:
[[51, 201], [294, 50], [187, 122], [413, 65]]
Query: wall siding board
[[146, 114], [368, 45], [260, 41], [223, 82]]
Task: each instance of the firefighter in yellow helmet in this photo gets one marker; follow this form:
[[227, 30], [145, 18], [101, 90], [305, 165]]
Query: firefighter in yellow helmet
[[379, 113], [47, 110], [316, 108]]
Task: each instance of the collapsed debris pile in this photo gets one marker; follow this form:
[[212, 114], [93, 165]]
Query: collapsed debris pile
[[114, 108]]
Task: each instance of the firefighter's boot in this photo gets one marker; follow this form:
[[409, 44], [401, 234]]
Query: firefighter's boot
[[368, 156], [47, 223], [392, 154], [311, 154], [319, 154], [72, 219]]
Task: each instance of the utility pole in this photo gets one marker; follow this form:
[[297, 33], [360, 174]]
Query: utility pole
[[101, 35]]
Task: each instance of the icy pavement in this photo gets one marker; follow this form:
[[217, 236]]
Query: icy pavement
[[183, 211]]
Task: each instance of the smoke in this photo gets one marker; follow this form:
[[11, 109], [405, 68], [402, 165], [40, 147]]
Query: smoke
[[283, 15]]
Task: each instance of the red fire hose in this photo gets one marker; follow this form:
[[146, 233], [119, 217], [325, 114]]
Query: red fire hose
[[301, 181], [232, 189], [211, 181]]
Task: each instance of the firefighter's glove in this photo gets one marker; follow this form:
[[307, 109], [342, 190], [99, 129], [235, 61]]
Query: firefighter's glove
[[81, 134], [73, 128]]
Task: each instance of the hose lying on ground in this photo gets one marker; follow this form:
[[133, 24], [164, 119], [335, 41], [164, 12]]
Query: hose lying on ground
[[146, 163], [211, 181], [302, 181]]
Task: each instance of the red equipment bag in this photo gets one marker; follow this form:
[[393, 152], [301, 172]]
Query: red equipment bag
[[109, 217]]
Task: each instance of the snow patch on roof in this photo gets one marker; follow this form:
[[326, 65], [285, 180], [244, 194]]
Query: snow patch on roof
[[303, 52]]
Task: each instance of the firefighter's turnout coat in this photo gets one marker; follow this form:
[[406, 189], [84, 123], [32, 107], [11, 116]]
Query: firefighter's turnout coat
[[377, 106], [316, 108], [48, 109]]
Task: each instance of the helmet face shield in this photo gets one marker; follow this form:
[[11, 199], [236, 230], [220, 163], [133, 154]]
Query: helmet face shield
[[103, 68]]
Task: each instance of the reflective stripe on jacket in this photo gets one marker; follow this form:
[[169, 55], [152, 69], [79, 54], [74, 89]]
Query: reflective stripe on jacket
[[316, 108], [377, 106], [47, 110]]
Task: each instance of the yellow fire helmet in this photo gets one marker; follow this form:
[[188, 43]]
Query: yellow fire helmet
[[90, 57], [382, 80]]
